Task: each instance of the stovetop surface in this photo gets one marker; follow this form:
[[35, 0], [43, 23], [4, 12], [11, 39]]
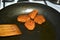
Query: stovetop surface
[[57, 7]]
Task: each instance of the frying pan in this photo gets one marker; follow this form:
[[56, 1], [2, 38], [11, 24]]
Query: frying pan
[[50, 30]]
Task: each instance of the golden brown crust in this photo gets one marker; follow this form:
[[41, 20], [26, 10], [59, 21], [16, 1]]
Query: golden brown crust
[[9, 30], [23, 18], [39, 19], [33, 14], [30, 25]]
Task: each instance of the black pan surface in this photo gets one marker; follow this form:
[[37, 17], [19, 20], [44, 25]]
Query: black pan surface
[[50, 30]]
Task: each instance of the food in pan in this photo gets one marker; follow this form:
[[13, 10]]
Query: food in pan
[[39, 19], [9, 30], [23, 18], [30, 19], [33, 14], [30, 25]]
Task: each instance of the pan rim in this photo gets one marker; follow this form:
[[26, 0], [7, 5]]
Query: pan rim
[[24, 2]]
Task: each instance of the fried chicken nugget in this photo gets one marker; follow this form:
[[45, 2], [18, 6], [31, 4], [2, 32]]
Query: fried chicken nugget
[[30, 25], [33, 14], [39, 19], [9, 30], [23, 18]]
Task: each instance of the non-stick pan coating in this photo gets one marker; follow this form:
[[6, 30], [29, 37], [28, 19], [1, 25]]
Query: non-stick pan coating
[[50, 30]]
